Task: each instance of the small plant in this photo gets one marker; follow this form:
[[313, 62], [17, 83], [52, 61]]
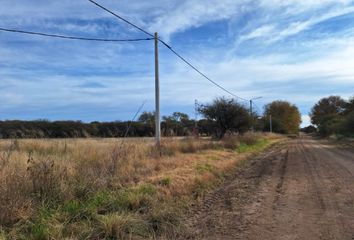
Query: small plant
[[140, 198], [165, 181], [39, 231], [122, 226]]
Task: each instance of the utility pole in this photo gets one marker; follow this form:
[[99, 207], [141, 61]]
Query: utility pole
[[251, 112], [270, 123], [157, 95], [195, 118]]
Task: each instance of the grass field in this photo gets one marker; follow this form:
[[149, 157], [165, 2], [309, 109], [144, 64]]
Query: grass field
[[103, 189]]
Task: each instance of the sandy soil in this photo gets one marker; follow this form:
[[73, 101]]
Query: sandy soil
[[303, 189]]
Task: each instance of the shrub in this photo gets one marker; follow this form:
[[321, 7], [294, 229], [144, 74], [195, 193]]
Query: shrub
[[188, 146], [230, 142], [249, 138]]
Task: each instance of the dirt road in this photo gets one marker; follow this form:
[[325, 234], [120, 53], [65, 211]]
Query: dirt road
[[303, 189]]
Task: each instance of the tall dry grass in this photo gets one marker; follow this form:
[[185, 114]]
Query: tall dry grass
[[101, 188]]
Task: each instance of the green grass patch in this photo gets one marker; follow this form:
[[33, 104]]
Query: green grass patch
[[204, 167], [258, 146], [166, 181], [122, 226]]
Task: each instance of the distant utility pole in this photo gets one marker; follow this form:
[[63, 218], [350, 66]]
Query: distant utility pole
[[196, 118], [270, 123], [251, 112], [157, 94]]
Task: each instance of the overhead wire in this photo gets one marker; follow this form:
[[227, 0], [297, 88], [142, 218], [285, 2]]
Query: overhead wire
[[121, 18], [73, 37], [170, 48], [202, 74]]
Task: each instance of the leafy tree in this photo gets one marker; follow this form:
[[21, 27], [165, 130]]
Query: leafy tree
[[147, 118], [286, 117], [327, 114], [347, 124], [227, 115], [177, 124], [326, 109], [349, 106]]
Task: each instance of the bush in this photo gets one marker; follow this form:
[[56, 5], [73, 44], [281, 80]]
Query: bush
[[249, 138], [231, 142]]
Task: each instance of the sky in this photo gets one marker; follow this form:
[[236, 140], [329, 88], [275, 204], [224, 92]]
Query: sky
[[295, 50]]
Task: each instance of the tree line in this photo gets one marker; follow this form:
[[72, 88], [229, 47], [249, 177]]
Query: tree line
[[221, 116], [333, 116]]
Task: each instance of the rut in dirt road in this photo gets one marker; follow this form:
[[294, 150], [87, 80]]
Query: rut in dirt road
[[303, 189]]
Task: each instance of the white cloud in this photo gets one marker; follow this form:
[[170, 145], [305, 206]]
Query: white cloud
[[262, 31], [306, 120], [195, 13], [273, 32]]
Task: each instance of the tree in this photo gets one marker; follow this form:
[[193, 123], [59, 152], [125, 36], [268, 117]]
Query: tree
[[227, 115], [147, 118], [326, 109], [309, 129], [347, 125], [349, 106], [286, 117], [327, 114], [177, 124]]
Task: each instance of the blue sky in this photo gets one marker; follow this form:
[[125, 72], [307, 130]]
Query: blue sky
[[294, 50]]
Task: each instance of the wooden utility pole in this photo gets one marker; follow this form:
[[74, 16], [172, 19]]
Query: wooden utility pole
[[157, 95]]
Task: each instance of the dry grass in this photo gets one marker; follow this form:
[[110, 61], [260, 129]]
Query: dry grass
[[99, 188]]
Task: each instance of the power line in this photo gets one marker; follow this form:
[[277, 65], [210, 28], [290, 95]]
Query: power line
[[73, 37], [202, 74], [121, 18], [133, 119], [170, 48]]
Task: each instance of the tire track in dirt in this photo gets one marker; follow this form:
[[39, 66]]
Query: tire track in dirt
[[207, 221], [300, 190], [337, 187]]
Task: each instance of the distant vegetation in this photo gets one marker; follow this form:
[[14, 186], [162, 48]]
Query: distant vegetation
[[221, 116], [334, 116], [78, 129]]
